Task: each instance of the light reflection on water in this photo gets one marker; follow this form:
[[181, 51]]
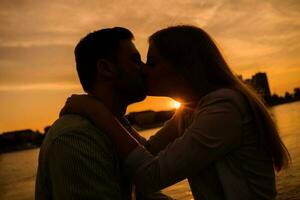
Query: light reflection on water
[[18, 169], [287, 118]]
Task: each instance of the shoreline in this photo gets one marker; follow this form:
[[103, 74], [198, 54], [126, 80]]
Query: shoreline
[[141, 121]]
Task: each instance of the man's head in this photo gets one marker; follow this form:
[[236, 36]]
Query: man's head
[[109, 57]]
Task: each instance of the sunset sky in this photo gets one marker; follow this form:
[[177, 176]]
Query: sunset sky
[[37, 38]]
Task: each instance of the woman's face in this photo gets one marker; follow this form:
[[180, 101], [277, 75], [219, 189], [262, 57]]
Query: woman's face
[[161, 77]]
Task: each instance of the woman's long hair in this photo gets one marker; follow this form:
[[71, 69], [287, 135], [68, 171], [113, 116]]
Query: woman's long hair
[[192, 51]]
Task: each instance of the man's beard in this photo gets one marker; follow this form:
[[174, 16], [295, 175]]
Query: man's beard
[[130, 91], [131, 94]]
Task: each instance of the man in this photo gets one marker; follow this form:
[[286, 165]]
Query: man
[[77, 160]]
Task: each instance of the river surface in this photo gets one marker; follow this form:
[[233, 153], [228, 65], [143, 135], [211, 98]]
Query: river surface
[[18, 169]]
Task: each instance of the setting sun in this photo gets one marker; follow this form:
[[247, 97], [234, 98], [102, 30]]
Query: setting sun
[[177, 104]]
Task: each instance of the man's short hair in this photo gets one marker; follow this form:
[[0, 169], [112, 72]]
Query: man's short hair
[[101, 44]]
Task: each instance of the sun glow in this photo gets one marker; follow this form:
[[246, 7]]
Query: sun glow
[[177, 104]]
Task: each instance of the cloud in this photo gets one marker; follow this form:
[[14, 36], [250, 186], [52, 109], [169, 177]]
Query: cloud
[[37, 64], [45, 86], [39, 22], [37, 37]]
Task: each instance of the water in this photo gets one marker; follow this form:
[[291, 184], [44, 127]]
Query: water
[[18, 169], [287, 118]]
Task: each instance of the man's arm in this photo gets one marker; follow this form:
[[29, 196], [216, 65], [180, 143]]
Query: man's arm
[[81, 168]]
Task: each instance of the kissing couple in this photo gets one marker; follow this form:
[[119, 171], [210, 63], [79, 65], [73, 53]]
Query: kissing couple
[[222, 139]]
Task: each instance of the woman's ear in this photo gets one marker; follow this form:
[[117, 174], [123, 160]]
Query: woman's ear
[[106, 69]]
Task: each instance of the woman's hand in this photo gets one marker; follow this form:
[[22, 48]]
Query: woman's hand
[[85, 105]]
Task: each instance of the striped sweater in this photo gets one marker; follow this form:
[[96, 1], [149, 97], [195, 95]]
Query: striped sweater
[[78, 161]]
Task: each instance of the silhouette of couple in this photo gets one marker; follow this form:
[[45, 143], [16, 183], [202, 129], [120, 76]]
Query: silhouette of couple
[[222, 139]]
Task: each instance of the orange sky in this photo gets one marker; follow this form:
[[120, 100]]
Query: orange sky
[[37, 38]]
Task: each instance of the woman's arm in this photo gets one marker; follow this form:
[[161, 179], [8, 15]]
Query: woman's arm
[[215, 132], [159, 140], [104, 119], [172, 129], [101, 117], [125, 123], [164, 136], [127, 140]]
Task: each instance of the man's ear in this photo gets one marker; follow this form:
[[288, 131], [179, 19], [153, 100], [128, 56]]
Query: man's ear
[[106, 69]]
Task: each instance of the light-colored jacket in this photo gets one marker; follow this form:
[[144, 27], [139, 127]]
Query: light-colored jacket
[[216, 147]]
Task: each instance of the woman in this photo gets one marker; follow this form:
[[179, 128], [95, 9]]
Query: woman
[[223, 140]]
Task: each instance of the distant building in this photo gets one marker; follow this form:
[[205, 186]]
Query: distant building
[[248, 81], [297, 93], [259, 82], [261, 85]]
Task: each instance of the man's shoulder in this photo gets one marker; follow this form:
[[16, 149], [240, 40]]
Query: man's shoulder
[[75, 125], [71, 122], [83, 155]]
